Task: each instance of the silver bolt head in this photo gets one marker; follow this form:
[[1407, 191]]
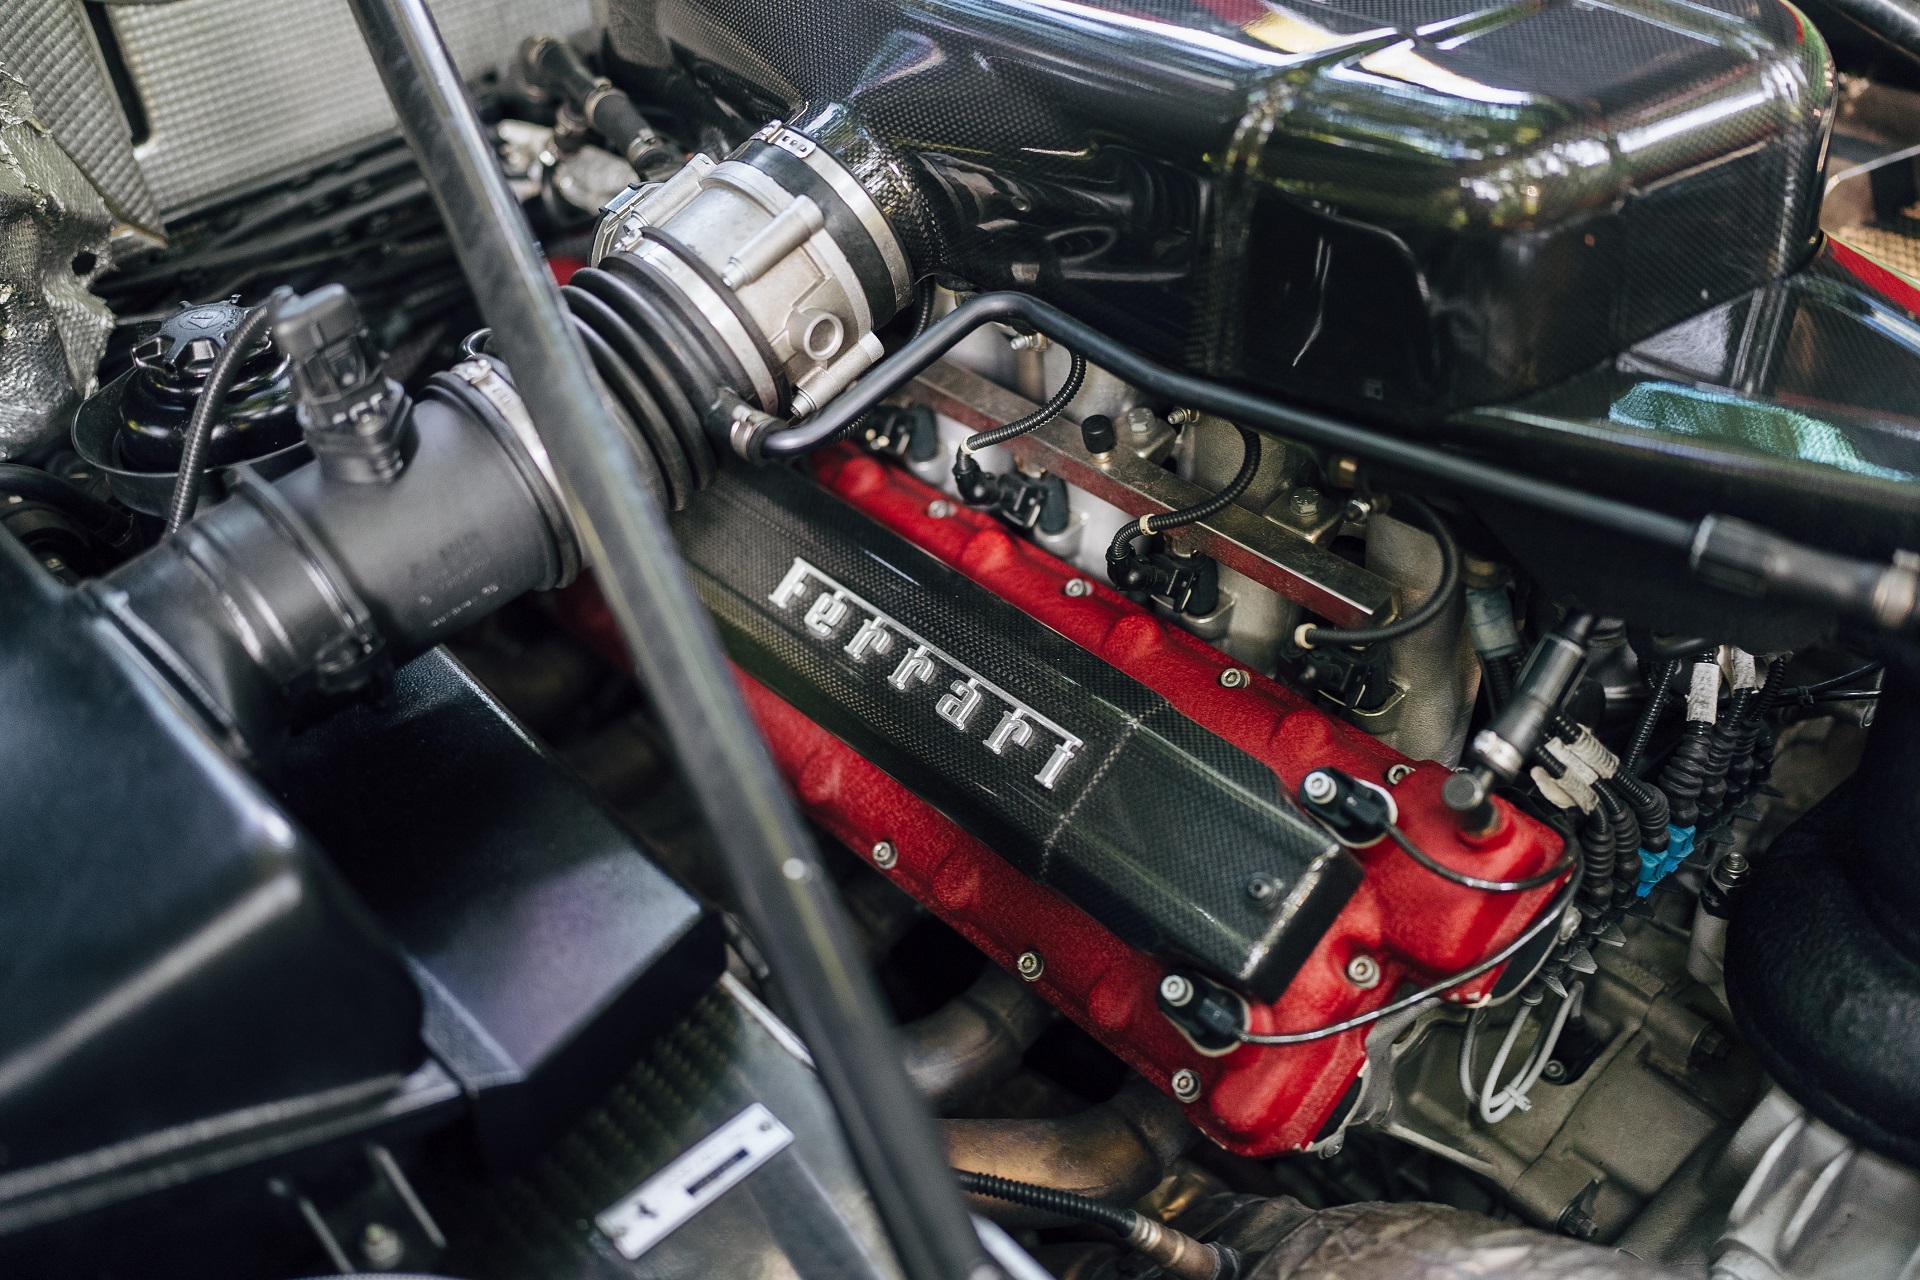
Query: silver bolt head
[[1078, 588], [1186, 1084], [1030, 965], [382, 1246], [1319, 786], [885, 855], [939, 508], [1176, 990], [1235, 678], [1363, 972]]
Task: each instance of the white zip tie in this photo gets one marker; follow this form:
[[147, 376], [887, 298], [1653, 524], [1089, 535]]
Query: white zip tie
[[1703, 695]]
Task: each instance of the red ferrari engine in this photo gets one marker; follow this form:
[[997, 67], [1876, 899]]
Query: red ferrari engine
[[1406, 927]]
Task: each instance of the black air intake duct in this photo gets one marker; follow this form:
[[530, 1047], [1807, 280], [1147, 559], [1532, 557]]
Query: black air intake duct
[[1388, 207], [1823, 953]]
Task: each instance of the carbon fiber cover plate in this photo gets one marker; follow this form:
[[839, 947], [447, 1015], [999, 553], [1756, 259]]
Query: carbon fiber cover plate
[[1078, 775]]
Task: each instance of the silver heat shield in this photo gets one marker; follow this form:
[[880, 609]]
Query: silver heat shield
[[54, 229]]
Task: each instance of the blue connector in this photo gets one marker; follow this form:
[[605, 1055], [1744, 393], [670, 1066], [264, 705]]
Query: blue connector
[[1655, 867]]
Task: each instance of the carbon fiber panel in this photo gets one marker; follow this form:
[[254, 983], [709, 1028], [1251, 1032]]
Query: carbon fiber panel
[[1076, 774], [1391, 206]]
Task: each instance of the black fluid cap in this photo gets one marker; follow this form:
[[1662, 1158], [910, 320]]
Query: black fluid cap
[[1096, 433], [1055, 513]]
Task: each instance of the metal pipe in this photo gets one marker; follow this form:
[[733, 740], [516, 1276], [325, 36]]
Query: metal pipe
[[786, 897], [776, 439], [1418, 1241], [1734, 555], [1116, 1151], [975, 1041]]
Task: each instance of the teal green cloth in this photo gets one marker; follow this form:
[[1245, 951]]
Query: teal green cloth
[[1724, 418]]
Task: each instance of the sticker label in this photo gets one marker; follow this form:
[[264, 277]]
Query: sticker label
[[697, 1177]]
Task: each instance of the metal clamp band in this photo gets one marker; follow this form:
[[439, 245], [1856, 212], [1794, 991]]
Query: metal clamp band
[[857, 198], [826, 252], [480, 374]]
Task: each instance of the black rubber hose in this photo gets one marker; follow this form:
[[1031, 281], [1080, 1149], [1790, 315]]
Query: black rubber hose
[[1235, 406], [43, 486], [1626, 830], [1596, 859], [1500, 675], [1162, 521], [1733, 555], [1650, 810], [1445, 872], [1657, 699], [1069, 388], [206, 409], [1685, 773], [1799, 692], [1047, 1199], [553, 65], [1425, 612], [787, 898], [1891, 22]]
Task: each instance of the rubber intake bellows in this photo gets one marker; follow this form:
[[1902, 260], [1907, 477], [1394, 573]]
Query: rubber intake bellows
[[660, 369]]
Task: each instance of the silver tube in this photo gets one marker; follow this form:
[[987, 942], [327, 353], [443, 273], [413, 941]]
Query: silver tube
[[975, 1041]]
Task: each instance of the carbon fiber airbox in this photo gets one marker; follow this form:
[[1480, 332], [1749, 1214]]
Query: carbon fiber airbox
[[1076, 774], [1392, 206]]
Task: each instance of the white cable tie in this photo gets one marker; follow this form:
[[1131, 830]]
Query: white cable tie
[[1703, 695]]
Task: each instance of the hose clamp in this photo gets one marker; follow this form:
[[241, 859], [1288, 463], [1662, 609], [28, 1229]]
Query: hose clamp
[[481, 374]]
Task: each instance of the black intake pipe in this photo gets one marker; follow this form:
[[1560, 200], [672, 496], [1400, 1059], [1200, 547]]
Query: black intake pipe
[[315, 586], [1823, 952], [787, 898]]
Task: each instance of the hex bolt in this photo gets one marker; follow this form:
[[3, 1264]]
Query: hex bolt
[[382, 1246], [1176, 990], [1304, 505], [885, 855], [1078, 588], [1030, 965], [939, 508], [1182, 416], [1554, 1072], [1363, 972], [1319, 786], [1398, 773], [1235, 678], [1186, 1084]]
